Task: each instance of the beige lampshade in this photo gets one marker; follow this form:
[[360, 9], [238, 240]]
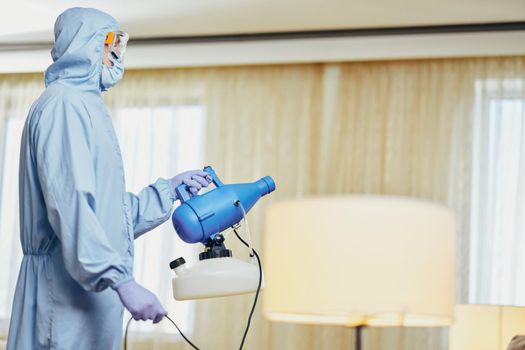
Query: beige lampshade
[[359, 260], [485, 327]]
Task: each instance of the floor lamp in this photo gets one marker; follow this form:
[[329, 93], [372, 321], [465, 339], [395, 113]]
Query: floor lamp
[[359, 261]]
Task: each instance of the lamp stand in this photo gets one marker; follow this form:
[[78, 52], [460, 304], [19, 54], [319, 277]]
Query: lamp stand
[[358, 337]]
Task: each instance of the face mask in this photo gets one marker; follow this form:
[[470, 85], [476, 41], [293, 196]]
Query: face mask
[[112, 75]]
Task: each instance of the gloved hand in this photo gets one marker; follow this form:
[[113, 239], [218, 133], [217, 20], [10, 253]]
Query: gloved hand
[[140, 302], [194, 179]]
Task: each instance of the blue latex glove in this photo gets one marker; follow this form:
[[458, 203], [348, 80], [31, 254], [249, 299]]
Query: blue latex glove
[[140, 302], [194, 179]]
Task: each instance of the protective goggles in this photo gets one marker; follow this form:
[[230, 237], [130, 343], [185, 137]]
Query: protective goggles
[[117, 42]]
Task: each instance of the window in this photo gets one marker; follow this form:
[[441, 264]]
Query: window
[[497, 255], [9, 228], [155, 142], [161, 142]]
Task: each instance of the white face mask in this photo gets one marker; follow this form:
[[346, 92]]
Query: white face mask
[[112, 75]]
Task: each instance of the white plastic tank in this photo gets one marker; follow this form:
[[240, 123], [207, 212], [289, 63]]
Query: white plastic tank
[[215, 277]]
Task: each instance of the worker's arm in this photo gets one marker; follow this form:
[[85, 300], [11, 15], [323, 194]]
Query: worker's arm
[[61, 138], [151, 206]]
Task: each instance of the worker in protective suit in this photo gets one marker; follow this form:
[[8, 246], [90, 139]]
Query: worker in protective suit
[[77, 222]]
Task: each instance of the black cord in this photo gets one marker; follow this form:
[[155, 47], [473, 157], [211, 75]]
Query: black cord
[[249, 317], [189, 342], [182, 334], [126, 334], [258, 287]]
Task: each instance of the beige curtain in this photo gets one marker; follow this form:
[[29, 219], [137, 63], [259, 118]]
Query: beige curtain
[[376, 127], [17, 93], [396, 127]]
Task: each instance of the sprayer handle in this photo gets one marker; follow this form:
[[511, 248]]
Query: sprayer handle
[[216, 181], [183, 192]]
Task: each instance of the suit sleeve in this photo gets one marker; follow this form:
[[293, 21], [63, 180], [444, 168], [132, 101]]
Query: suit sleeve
[[152, 206], [61, 140]]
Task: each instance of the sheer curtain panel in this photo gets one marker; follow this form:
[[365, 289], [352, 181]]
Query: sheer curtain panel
[[449, 131]]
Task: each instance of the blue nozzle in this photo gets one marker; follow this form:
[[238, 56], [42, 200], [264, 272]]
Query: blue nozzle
[[270, 183]]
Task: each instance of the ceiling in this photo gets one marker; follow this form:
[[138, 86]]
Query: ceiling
[[32, 20]]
